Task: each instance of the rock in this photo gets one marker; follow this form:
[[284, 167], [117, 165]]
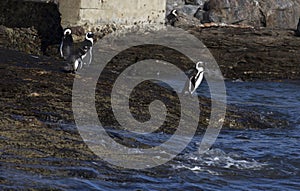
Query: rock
[[189, 9], [260, 13], [199, 13], [78, 30], [194, 2], [44, 17], [41, 84], [246, 53], [22, 39], [28, 39], [282, 14], [297, 32], [206, 17]]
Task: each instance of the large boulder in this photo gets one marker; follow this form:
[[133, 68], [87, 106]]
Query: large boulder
[[44, 17], [259, 13], [262, 13]]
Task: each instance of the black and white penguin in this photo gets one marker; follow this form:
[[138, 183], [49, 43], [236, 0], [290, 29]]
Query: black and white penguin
[[172, 17], [195, 80], [87, 48], [297, 31], [75, 63], [82, 54], [66, 44]]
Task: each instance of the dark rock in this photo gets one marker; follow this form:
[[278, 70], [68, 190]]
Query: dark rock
[[272, 14], [206, 6], [297, 32], [199, 14], [193, 2], [251, 54], [78, 30], [258, 13], [21, 39], [206, 18], [44, 17]]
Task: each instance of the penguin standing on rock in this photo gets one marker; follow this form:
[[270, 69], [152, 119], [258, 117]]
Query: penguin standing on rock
[[66, 45], [82, 55], [172, 17], [197, 74], [87, 48]]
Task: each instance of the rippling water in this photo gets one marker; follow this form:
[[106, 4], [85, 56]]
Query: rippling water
[[240, 159]]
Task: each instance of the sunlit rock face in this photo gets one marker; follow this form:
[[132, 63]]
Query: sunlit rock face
[[260, 13]]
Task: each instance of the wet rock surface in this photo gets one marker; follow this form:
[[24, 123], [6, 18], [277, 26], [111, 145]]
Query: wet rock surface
[[37, 91], [253, 54], [242, 52]]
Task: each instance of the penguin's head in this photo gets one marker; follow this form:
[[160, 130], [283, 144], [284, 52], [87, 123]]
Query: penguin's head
[[67, 31], [174, 12], [199, 66], [89, 35]]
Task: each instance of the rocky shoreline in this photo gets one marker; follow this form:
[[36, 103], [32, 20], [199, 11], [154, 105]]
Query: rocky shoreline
[[247, 50], [242, 52], [36, 90], [37, 122], [38, 132]]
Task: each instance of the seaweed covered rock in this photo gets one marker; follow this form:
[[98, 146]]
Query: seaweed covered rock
[[21, 39], [44, 17]]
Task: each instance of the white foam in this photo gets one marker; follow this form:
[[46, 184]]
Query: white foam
[[217, 158]]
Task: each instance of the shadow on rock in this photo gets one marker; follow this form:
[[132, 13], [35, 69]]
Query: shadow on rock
[[44, 17]]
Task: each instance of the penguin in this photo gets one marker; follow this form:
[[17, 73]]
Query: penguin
[[87, 48], [66, 44], [297, 31], [172, 17], [82, 54], [196, 79]]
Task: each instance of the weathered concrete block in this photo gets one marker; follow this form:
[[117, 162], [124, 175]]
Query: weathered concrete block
[[126, 12], [90, 4]]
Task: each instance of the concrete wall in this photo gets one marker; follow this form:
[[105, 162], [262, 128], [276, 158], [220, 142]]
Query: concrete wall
[[128, 12]]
